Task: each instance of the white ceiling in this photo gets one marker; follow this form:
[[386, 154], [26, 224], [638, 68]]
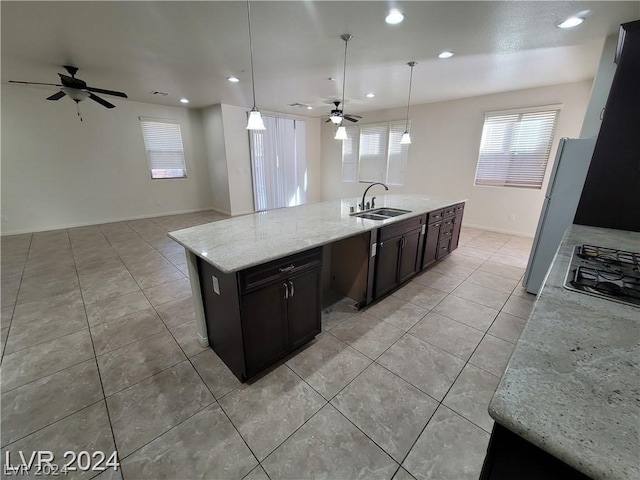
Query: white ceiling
[[189, 48]]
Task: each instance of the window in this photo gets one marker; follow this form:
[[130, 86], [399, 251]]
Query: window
[[373, 153], [515, 147], [163, 143], [279, 164]]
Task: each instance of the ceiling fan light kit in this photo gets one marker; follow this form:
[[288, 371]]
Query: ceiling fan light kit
[[255, 119], [406, 138]]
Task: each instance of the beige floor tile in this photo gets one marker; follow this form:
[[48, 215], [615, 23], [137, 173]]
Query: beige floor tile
[[425, 297], [478, 294], [367, 334], [519, 306], [215, 373], [114, 308], [507, 327], [168, 292], [436, 280], [451, 336], [397, 312], [128, 329], [493, 281], [492, 355], [467, 312]]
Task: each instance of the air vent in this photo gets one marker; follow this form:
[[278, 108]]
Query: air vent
[[301, 105], [158, 92]]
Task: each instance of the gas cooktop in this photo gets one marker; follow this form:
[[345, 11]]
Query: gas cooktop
[[606, 273]]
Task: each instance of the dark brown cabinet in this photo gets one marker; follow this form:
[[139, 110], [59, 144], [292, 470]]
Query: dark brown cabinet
[[442, 234], [611, 192], [259, 315], [398, 255]]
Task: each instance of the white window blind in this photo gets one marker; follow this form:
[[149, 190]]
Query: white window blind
[[373, 153], [279, 163], [163, 143], [515, 147], [350, 148]]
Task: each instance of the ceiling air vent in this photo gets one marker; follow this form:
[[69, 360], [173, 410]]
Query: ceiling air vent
[[301, 105], [158, 92]]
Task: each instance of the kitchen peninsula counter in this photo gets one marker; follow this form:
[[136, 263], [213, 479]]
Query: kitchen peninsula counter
[[572, 385], [240, 242]]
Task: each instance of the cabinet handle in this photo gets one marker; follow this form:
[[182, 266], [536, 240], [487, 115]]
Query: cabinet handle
[[437, 225], [293, 288], [286, 291], [287, 269]]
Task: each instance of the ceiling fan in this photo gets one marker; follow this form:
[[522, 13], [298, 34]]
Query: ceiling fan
[[77, 89], [337, 115]]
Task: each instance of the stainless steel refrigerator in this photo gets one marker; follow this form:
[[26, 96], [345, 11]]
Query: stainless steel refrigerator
[[560, 203]]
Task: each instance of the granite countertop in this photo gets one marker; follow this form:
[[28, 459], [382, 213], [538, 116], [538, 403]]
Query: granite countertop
[[240, 242], [572, 385]]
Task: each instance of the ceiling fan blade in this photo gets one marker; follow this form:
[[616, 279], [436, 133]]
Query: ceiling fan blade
[[347, 117], [101, 101], [354, 116], [327, 121], [57, 95], [107, 92], [72, 82], [36, 83]]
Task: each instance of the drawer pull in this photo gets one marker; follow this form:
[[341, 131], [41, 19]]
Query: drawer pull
[[293, 289], [286, 291], [287, 269]]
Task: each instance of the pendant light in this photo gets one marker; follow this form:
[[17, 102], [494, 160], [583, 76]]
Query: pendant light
[[406, 138], [341, 133], [255, 119]]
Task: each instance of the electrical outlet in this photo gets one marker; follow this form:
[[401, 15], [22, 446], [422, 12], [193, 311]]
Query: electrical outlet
[[157, 202], [512, 217], [216, 284]]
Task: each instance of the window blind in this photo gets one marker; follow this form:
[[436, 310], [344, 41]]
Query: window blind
[[350, 148], [397, 154], [163, 143], [278, 163], [373, 152], [515, 148]]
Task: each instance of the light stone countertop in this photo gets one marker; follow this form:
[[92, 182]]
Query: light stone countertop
[[572, 385], [237, 243]]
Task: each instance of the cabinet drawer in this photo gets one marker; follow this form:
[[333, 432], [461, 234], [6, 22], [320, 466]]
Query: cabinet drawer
[[447, 223], [443, 248], [445, 234], [433, 217], [459, 208], [401, 227], [449, 211], [261, 275]]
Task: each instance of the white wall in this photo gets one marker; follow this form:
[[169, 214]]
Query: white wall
[[59, 172], [442, 158], [216, 158]]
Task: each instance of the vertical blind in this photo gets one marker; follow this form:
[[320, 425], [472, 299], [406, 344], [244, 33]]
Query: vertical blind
[[373, 153], [278, 163], [515, 148], [163, 144]]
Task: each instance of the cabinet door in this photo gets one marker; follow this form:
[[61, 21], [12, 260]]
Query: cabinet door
[[409, 262], [431, 245], [264, 326], [303, 307], [387, 266], [455, 235]]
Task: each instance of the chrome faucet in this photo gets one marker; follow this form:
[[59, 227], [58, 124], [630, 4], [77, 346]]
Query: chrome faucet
[[362, 205]]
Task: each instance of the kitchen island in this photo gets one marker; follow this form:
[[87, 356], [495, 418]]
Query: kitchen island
[[267, 265], [572, 385]]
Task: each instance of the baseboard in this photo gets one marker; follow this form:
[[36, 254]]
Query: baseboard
[[105, 221], [497, 230]]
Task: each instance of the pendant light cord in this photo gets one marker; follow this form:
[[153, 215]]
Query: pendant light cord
[[253, 85], [406, 125], [344, 73]]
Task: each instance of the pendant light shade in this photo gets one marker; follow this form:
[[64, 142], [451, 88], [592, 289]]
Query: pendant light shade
[[406, 138], [255, 119], [341, 133], [337, 119]]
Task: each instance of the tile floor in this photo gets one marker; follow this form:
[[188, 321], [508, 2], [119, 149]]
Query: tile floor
[[99, 353]]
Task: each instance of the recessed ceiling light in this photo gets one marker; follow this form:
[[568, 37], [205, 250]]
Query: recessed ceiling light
[[394, 17], [571, 22], [371, 95], [445, 54], [184, 100], [309, 107], [233, 79]]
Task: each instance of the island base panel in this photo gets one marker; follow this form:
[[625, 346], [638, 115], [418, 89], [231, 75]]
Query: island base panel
[[510, 457]]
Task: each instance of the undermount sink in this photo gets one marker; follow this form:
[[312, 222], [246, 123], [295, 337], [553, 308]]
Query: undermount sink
[[380, 213]]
